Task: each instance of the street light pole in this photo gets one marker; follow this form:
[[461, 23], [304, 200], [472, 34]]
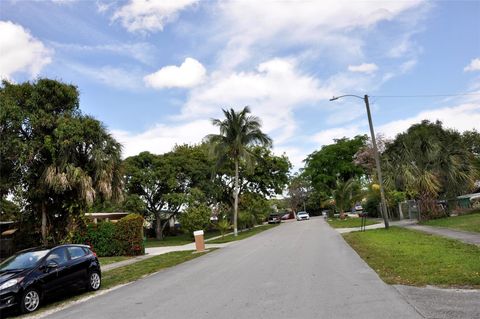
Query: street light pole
[[375, 154]]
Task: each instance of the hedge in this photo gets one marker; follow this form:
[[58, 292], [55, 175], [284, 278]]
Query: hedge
[[129, 235], [124, 238]]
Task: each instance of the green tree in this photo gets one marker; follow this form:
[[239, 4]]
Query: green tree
[[471, 140], [163, 181], [346, 194], [334, 162], [255, 208], [238, 131], [59, 158], [266, 176], [428, 162], [299, 188]]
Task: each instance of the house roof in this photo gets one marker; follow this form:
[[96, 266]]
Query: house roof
[[469, 196], [107, 215]]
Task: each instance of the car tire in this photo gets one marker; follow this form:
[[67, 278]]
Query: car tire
[[94, 281], [30, 300]]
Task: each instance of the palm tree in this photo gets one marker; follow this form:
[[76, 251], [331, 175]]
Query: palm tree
[[238, 131], [428, 162], [345, 195], [88, 166]]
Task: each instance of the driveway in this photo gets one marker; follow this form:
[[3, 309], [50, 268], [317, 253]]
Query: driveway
[[298, 270]]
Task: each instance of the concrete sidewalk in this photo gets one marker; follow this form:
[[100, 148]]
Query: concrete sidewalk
[[399, 223], [466, 237]]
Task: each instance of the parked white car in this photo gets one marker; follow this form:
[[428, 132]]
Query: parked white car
[[303, 216]]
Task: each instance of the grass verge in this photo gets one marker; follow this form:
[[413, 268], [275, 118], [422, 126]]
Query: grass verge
[[145, 267], [350, 222], [243, 234], [181, 239], [408, 257], [470, 222], [110, 260]]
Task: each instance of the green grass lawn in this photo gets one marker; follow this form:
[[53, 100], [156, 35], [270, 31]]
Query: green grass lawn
[[145, 267], [402, 256], [110, 260], [470, 222], [242, 235], [181, 239], [349, 222]]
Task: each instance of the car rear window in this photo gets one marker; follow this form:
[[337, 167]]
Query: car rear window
[[76, 252]]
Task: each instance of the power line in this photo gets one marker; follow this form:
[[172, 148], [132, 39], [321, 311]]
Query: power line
[[424, 95]]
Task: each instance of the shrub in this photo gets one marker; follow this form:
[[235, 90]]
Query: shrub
[[223, 226], [109, 239], [194, 218], [101, 237], [129, 234]]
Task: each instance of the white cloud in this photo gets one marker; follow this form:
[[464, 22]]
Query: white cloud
[[473, 66], [272, 91], [141, 51], [111, 76], [460, 117], [326, 137], [150, 15], [21, 52], [189, 74], [163, 137], [463, 117], [335, 26], [367, 68]]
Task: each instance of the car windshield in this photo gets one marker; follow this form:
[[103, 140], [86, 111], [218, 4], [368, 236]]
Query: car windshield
[[23, 260], [302, 213]]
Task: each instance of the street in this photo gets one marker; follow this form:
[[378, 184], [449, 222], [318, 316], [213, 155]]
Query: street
[[297, 270]]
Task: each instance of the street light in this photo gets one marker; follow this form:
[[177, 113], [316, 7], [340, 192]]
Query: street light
[[375, 153]]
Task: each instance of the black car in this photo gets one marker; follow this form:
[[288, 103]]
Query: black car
[[27, 277]]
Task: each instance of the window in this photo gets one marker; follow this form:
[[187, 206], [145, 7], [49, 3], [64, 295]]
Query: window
[[76, 252], [59, 256]]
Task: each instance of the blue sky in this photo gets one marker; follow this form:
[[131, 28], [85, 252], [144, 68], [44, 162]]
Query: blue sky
[[156, 72]]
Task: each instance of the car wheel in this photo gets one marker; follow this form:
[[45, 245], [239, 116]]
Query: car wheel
[[94, 281], [30, 300]]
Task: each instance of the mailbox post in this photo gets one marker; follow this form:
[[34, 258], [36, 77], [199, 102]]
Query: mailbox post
[[199, 241]]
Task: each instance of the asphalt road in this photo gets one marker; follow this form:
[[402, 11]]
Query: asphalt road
[[297, 270]]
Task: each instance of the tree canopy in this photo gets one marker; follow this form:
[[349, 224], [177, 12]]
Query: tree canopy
[[334, 162], [54, 159], [428, 161]]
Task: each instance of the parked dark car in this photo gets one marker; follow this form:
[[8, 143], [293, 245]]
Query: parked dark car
[[275, 218], [27, 277]]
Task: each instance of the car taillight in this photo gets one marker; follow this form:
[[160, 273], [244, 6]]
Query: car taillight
[[93, 251]]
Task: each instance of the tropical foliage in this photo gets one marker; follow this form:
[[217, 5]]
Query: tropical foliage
[[55, 160], [238, 131], [428, 162]]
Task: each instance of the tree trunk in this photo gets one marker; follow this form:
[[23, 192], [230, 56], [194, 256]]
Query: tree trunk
[[235, 206], [44, 224], [158, 226], [342, 214]]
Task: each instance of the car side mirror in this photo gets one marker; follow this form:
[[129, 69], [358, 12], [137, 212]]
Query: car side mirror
[[49, 266]]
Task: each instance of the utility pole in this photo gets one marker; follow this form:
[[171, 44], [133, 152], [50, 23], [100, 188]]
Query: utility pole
[[377, 163], [375, 154]]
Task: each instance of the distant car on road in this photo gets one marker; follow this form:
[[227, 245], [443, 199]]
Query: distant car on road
[[274, 218], [27, 277], [303, 216]]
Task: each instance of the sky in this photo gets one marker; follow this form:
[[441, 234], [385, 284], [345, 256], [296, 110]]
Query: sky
[[156, 72]]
